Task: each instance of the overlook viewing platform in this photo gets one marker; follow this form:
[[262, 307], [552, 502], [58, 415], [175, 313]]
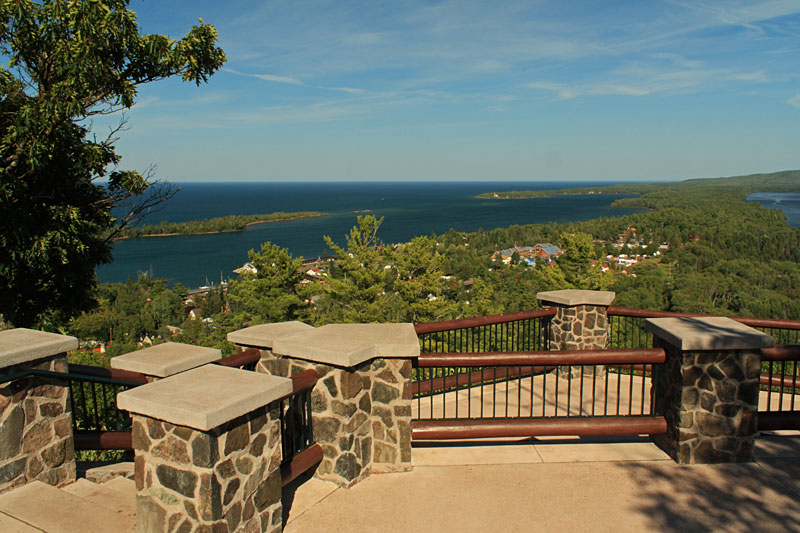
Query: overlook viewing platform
[[639, 419]]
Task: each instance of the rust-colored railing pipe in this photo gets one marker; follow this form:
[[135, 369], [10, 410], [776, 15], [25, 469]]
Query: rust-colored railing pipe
[[521, 427], [625, 356], [476, 377], [782, 352], [249, 356], [107, 373], [747, 321], [463, 323]]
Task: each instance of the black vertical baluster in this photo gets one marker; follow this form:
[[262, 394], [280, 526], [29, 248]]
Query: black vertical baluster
[[72, 384], [769, 387], [519, 393], [619, 385], [644, 375], [605, 400], [594, 386], [794, 382], [533, 375], [630, 393], [555, 376], [456, 389], [544, 392], [508, 377], [494, 393], [432, 391], [580, 405], [482, 385], [569, 387], [94, 401], [783, 374]]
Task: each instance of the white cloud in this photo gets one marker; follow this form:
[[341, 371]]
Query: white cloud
[[794, 100], [266, 77]]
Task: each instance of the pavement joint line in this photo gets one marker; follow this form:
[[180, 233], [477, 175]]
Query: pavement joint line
[[780, 482], [21, 521], [337, 489]]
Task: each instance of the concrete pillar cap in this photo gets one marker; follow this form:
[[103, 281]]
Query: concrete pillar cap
[[166, 359], [21, 345], [707, 333], [205, 397], [571, 297]]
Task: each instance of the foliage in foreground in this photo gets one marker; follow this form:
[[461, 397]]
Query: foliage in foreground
[[68, 62]]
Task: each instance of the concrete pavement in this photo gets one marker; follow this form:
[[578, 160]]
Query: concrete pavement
[[561, 484]]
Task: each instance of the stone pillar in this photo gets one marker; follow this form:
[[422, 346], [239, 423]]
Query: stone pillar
[[208, 450], [165, 359], [36, 440], [580, 322], [708, 388], [361, 405]]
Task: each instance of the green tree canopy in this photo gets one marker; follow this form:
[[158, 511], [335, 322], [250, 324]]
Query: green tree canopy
[[270, 294], [68, 62]]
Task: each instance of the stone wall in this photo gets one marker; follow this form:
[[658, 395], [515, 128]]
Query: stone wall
[[225, 479], [36, 427], [710, 402], [361, 416], [579, 327]]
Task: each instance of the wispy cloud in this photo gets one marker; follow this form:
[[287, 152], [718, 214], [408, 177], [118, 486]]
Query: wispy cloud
[[794, 100], [293, 81]]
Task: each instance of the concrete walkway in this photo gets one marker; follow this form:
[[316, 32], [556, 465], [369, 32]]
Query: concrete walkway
[[561, 484]]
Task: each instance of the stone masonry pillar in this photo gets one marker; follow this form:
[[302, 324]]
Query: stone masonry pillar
[[208, 450], [165, 359], [361, 405], [708, 388], [581, 320], [36, 440]]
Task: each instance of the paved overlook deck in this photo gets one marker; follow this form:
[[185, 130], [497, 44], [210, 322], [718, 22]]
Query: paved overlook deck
[[561, 484]]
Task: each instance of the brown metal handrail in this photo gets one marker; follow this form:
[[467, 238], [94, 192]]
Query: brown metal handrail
[[463, 323], [108, 373], [624, 356], [747, 321], [782, 352], [494, 428], [247, 357]]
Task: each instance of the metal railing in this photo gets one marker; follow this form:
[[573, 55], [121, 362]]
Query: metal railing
[[779, 399], [536, 393], [299, 450], [511, 332]]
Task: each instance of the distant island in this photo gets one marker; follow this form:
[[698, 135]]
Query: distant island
[[224, 224]]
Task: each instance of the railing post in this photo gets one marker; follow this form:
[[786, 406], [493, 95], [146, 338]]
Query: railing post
[[708, 389], [165, 359], [581, 320], [208, 450], [361, 405], [36, 440]]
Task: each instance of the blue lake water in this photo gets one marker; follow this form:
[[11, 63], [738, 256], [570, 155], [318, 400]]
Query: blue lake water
[[409, 209], [787, 202]]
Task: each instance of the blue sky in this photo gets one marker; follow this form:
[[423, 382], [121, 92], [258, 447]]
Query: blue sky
[[467, 90]]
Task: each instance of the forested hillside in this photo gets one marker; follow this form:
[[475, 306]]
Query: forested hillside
[[700, 248]]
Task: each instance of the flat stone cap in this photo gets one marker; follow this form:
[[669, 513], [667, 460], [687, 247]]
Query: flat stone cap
[[205, 397], [264, 335], [348, 345], [21, 345], [166, 359], [708, 333], [577, 297]]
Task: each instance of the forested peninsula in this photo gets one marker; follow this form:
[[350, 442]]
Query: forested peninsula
[[211, 225], [739, 186]]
